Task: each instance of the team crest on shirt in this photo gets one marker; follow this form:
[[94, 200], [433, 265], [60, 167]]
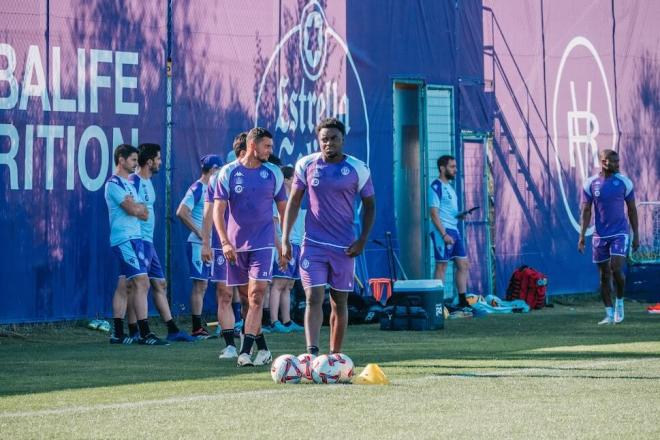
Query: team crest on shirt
[[345, 171], [315, 182], [220, 260], [238, 189], [264, 174], [305, 263]]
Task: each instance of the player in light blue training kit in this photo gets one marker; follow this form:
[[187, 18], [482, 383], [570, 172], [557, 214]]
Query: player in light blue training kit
[[608, 192], [191, 212], [446, 240], [247, 187], [334, 182], [284, 279], [125, 213], [149, 161]]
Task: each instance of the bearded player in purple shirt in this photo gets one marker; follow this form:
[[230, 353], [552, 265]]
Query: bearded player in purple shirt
[[607, 192], [247, 187], [333, 181]]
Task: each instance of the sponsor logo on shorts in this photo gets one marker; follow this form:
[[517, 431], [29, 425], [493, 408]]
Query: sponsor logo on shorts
[[305, 263], [220, 260]]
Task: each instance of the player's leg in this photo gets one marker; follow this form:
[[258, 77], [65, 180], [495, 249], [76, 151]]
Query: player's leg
[[285, 307], [119, 306], [260, 275], [338, 319], [237, 275], [616, 265], [236, 308], [601, 256], [314, 274], [224, 296], [277, 293], [131, 264]]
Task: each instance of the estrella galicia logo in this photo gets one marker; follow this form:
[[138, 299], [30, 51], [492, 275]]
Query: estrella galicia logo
[[583, 121], [238, 189], [309, 76]]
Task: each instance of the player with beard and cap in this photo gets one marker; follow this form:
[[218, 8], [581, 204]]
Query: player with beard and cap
[[608, 192], [333, 182], [446, 240]]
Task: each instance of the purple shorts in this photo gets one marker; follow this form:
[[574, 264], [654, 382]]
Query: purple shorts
[[132, 261], [605, 247], [321, 265], [444, 252], [219, 267], [292, 271], [251, 265], [154, 269], [199, 270]]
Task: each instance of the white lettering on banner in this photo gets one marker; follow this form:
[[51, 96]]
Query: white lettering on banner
[[583, 129], [301, 103], [108, 69]]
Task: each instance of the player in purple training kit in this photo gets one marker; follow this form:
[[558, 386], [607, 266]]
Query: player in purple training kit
[[247, 187], [608, 192], [333, 181]]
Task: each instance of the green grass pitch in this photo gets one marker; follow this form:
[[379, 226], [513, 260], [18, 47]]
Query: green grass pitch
[[548, 374]]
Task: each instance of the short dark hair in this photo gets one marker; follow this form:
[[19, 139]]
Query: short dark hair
[[257, 134], [287, 171], [125, 151], [240, 143], [147, 152], [331, 123], [443, 161]]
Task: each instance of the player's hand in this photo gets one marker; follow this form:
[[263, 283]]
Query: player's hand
[[143, 212], [635, 243], [448, 239], [286, 250], [229, 252], [207, 253], [355, 248], [282, 262], [581, 245]]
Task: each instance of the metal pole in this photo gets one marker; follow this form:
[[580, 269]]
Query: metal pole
[[168, 158]]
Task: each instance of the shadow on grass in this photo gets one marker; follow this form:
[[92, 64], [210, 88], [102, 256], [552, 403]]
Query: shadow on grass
[[78, 359]]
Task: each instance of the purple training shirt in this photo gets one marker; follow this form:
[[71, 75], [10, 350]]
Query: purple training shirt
[[609, 196]]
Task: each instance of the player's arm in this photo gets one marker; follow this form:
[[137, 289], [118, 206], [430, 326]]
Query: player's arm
[[585, 219], [290, 216], [435, 219], [281, 208], [219, 208], [185, 215], [207, 224], [632, 218], [131, 207], [368, 220]]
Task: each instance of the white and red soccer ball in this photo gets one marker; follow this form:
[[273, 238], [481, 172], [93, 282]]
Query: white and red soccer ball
[[305, 360], [326, 369], [286, 369], [346, 367]]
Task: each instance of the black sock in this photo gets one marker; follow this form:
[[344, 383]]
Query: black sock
[[171, 327], [287, 324], [247, 343], [132, 329], [143, 325], [261, 342], [462, 301], [313, 350], [118, 331], [228, 336], [196, 322], [266, 317]]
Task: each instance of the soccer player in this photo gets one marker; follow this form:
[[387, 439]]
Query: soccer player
[[190, 211], [283, 279], [333, 181], [247, 187], [445, 238], [125, 214], [149, 161], [608, 192], [229, 311]]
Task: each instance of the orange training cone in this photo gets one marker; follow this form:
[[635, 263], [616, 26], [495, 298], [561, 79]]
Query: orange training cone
[[371, 375]]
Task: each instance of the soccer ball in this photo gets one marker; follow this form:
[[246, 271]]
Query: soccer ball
[[325, 369], [286, 369], [305, 360], [346, 367]]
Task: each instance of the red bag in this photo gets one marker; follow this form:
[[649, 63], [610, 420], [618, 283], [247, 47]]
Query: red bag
[[529, 285]]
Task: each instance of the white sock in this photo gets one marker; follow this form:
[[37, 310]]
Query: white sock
[[619, 303], [609, 311]]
